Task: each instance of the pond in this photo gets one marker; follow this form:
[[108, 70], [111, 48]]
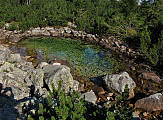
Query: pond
[[86, 60]]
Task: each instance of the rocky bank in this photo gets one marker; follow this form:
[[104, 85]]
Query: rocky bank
[[20, 81]]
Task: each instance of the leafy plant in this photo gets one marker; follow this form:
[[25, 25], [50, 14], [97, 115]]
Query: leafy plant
[[2, 23], [57, 106], [150, 51], [13, 26], [121, 110]]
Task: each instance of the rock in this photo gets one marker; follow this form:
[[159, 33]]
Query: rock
[[150, 76], [56, 63], [56, 73], [18, 81], [151, 103], [75, 33], [89, 97], [123, 48], [117, 44], [4, 53], [108, 98], [42, 64], [135, 116], [71, 24], [27, 33], [14, 58], [67, 30], [118, 82], [36, 32], [14, 38], [145, 114], [17, 75], [45, 33], [110, 94], [55, 33], [75, 85], [49, 28]]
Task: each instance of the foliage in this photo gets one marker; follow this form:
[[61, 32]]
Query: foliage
[[57, 106], [2, 23], [61, 106], [151, 51], [12, 26], [122, 110], [151, 40], [124, 18]]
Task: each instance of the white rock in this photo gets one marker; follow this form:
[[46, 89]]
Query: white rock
[[90, 97], [118, 82], [56, 63]]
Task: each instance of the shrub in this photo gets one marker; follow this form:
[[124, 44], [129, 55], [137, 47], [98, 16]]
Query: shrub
[[151, 51], [2, 23], [13, 26], [121, 109], [57, 106], [60, 106]]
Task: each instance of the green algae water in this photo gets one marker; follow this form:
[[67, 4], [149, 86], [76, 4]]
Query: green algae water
[[86, 60]]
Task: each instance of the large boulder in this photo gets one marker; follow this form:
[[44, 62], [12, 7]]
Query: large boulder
[[117, 82], [17, 75], [36, 32], [56, 73], [89, 97], [150, 76], [14, 38], [19, 81], [151, 103], [4, 53]]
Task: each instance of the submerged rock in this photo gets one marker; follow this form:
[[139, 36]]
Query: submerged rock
[[151, 103], [118, 82]]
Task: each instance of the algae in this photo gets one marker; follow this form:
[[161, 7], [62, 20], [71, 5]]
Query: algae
[[86, 60]]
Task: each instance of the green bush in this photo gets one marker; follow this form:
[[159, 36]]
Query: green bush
[[57, 106], [13, 26], [151, 51], [2, 23], [60, 106], [122, 110]]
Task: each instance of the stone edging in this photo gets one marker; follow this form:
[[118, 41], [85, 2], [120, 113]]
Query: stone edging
[[108, 43]]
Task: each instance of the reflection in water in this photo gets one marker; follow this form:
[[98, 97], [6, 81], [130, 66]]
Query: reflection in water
[[40, 55], [21, 50]]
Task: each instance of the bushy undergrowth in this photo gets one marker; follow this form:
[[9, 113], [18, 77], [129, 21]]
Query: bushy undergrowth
[[125, 19], [61, 106]]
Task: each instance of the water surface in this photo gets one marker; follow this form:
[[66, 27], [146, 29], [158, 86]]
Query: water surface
[[87, 60]]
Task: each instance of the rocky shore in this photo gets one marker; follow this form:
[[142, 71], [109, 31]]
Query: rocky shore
[[110, 42], [20, 81]]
